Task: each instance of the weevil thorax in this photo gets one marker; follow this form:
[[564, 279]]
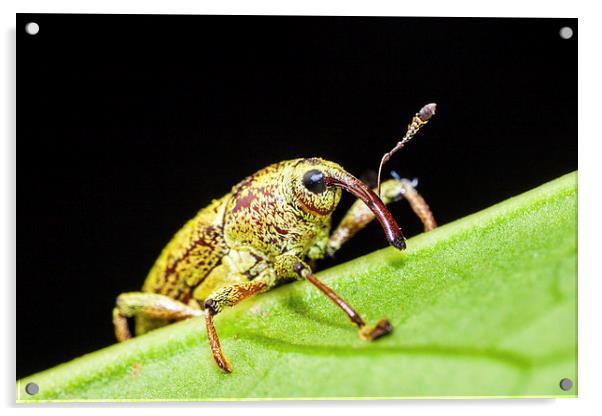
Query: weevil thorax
[[283, 208]]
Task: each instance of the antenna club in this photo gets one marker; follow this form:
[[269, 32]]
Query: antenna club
[[427, 112], [419, 120]]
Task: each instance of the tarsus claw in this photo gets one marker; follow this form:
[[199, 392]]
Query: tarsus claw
[[382, 328]]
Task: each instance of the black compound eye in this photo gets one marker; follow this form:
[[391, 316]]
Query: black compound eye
[[313, 180]]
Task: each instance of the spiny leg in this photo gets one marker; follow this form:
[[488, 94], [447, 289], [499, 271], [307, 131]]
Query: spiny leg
[[229, 296], [359, 215], [150, 305], [287, 263]]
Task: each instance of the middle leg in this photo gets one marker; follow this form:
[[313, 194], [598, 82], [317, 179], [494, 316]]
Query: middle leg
[[229, 296]]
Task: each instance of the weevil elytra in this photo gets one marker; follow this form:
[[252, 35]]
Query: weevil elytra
[[258, 236]]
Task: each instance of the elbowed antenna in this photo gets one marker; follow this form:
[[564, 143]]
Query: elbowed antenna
[[420, 119], [360, 190]]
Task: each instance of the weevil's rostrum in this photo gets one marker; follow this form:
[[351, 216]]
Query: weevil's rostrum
[[258, 236]]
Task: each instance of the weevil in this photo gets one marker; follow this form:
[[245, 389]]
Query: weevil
[[268, 230]]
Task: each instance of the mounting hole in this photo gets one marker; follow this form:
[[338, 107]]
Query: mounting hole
[[32, 388], [32, 28], [566, 32], [566, 384]]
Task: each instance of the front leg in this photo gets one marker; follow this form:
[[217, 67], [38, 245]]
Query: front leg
[[359, 215], [290, 266]]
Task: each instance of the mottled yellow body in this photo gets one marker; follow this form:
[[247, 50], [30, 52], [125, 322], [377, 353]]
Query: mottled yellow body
[[267, 222], [242, 234], [258, 236]]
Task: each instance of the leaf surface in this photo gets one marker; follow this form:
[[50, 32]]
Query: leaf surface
[[483, 306]]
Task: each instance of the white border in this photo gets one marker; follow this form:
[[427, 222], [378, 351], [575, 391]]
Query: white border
[[590, 207]]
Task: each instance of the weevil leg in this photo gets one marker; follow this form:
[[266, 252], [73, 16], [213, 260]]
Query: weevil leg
[[216, 348], [120, 322], [417, 203], [291, 266], [150, 305], [359, 215], [230, 296]]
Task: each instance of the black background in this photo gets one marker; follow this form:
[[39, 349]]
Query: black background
[[127, 125]]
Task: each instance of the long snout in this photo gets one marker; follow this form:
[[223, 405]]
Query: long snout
[[356, 187]]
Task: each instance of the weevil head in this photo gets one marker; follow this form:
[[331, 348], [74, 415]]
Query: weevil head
[[316, 186], [308, 190]]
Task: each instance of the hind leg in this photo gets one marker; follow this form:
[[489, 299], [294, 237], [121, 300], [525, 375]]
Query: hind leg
[[148, 305]]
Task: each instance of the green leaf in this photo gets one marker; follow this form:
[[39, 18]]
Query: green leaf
[[484, 306]]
